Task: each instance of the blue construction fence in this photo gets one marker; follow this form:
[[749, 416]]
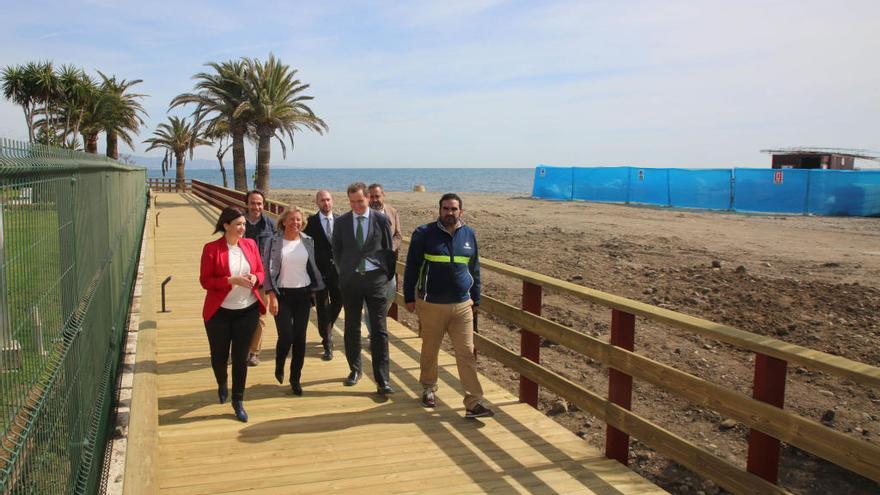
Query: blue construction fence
[[796, 191]]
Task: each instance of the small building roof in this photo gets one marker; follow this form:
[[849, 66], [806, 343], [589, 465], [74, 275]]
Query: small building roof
[[808, 150]]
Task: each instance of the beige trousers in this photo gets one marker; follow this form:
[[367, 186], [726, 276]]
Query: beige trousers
[[458, 321], [257, 339]]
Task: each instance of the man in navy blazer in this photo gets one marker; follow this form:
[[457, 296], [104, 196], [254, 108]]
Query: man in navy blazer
[[328, 302], [364, 259]]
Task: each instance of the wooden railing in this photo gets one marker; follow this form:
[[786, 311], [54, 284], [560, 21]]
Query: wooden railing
[[762, 412], [168, 185]]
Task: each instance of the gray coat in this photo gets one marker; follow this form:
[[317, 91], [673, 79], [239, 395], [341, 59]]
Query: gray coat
[[272, 261]]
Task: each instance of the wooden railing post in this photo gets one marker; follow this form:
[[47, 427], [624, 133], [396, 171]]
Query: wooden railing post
[[769, 387], [623, 331], [530, 344]]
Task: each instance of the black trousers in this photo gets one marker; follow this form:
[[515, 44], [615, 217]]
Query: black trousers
[[328, 304], [232, 328], [292, 320], [368, 289]]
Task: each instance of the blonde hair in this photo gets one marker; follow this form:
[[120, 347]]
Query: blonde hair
[[290, 210]]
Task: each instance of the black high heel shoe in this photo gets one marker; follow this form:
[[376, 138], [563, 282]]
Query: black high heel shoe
[[240, 413], [223, 393], [297, 388]]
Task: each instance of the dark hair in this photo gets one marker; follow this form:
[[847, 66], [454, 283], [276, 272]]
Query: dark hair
[[254, 191], [451, 196], [374, 185], [228, 214], [355, 187]]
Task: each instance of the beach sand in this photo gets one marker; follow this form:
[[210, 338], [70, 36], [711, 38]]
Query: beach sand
[[812, 281]]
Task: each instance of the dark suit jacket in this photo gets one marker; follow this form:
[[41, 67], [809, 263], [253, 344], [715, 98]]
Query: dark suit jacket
[[377, 248], [323, 250]]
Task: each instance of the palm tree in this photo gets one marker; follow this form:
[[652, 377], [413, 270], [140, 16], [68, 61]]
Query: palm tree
[[219, 133], [45, 85], [276, 106], [177, 136], [76, 91], [122, 114], [217, 97], [17, 87]]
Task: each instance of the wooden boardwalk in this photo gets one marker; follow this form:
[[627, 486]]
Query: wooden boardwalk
[[333, 438]]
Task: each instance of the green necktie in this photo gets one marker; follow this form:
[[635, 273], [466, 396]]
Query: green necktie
[[362, 266]]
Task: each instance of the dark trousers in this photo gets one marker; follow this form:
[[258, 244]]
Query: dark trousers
[[292, 319], [328, 303], [232, 327], [358, 290]]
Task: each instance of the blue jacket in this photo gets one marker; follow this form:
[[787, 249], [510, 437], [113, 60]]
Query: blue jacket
[[261, 232], [443, 268]]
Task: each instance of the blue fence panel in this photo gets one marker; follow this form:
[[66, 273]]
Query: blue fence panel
[[552, 182], [844, 192], [601, 184], [797, 191], [649, 186], [708, 188], [769, 190]]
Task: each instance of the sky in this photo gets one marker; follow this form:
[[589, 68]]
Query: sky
[[492, 83]]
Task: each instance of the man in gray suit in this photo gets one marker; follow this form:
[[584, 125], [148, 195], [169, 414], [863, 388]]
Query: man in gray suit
[[363, 254]]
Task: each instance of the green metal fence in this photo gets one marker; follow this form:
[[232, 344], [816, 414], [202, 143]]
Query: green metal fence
[[70, 232]]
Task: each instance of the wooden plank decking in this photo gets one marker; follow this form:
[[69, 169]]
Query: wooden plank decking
[[336, 438]]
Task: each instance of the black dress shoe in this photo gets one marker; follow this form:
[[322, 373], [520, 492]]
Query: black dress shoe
[[385, 390], [240, 413], [297, 388], [352, 378], [328, 355], [223, 393], [279, 374]]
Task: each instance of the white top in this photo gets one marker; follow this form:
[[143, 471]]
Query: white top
[[294, 257], [239, 297]]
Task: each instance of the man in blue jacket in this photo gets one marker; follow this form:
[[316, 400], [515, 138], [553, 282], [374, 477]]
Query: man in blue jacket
[[260, 228], [443, 270]]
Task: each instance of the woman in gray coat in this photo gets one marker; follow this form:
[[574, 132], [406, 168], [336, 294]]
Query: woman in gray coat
[[291, 278]]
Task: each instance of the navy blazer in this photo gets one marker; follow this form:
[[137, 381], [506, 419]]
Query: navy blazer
[[323, 250], [378, 247]]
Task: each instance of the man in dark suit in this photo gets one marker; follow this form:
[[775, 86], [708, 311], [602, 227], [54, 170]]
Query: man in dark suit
[[328, 302], [363, 254]]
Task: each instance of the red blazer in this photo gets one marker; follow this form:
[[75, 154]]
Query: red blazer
[[215, 271]]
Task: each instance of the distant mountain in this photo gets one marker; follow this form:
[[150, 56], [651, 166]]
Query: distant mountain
[[155, 163]]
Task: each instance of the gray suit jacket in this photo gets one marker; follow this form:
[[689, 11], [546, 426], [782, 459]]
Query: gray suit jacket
[[272, 257], [377, 248]]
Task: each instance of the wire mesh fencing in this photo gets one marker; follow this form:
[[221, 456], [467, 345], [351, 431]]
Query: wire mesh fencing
[[70, 231]]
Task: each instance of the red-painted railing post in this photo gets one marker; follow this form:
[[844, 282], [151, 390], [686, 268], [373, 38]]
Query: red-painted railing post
[[769, 387], [623, 334], [530, 344]]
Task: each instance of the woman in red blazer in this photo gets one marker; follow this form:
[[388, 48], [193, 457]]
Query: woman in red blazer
[[231, 272]]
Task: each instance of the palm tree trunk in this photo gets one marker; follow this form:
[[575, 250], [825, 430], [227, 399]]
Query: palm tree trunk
[[239, 173], [180, 175], [78, 122], [112, 145], [90, 143], [220, 152], [29, 119], [264, 151]]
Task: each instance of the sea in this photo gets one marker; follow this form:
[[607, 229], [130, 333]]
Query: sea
[[441, 180]]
